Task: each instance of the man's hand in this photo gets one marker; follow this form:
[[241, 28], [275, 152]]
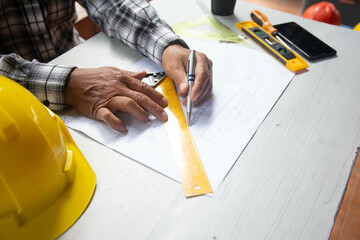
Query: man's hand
[[174, 61], [101, 92]]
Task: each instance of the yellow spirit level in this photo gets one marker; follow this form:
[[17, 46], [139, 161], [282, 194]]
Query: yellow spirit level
[[291, 60]]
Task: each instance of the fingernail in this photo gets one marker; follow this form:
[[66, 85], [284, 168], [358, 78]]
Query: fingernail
[[123, 129], [183, 87], [164, 116]]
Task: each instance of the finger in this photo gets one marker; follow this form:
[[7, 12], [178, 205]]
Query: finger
[[203, 78], [208, 89], [181, 81], [150, 106], [205, 86], [146, 90], [179, 76], [174, 61], [126, 104], [104, 114], [207, 92], [139, 75], [136, 106]]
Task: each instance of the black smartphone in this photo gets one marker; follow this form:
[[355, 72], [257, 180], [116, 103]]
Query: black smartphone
[[305, 43]]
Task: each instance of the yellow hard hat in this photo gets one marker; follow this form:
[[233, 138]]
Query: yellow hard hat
[[45, 181], [357, 27]]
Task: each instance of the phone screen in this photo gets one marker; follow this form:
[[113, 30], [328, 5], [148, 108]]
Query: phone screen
[[304, 42]]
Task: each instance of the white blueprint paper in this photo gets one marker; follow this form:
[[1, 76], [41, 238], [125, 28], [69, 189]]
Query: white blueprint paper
[[246, 85]]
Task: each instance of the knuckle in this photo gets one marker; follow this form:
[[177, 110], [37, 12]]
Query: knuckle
[[120, 76], [204, 72], [157, 108], [106, 114], [128, 102], [202, 55], [99, 113], [206, 60], [145, 87], [139, 97]]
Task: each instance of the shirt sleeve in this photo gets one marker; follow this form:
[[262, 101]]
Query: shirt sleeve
[[135, 23], [45, 81]]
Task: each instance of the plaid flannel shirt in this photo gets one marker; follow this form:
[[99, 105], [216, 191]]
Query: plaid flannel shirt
[[36, 31]]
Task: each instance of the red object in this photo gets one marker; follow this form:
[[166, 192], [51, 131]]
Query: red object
[[323, 12]]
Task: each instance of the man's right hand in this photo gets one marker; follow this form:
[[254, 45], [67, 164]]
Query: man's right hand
[[101, 92]]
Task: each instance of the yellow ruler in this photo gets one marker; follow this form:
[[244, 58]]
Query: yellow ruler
[[192, 173]]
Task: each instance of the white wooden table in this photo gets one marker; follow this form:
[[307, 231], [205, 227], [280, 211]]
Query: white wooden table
[[288, 182]]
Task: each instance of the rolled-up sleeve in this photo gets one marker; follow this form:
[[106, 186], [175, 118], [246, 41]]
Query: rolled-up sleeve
[[45, 81], [135, 23]]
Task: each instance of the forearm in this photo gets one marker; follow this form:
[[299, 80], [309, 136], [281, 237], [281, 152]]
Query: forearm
[[45, 81], [135, 23]]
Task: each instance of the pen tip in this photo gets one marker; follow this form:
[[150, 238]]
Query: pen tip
[[188, 117]]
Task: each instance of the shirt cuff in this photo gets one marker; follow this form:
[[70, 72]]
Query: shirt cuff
[[47, 83], [161, 39]]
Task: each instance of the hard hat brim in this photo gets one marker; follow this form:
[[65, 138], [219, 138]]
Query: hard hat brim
[[70, 205]]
